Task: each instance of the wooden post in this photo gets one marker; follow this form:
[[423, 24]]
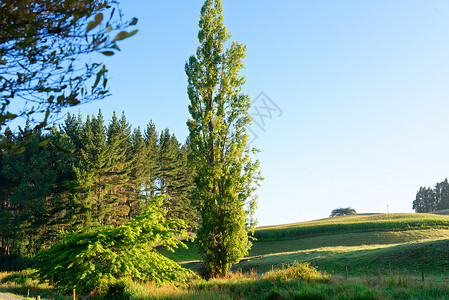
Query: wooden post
[[74, 294], [28, 293], [272, 268], [38, 297], [346, 273], [422, 276]]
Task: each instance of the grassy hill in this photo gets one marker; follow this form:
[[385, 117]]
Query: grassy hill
[[352, 223], [366, 244], [441, 212], [430, 256]]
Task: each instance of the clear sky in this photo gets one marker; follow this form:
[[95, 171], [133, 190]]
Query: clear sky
[[363, 87]]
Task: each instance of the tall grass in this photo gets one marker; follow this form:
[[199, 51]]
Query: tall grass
[[23, 283], [284, 284]]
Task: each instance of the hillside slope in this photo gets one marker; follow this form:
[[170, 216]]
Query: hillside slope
[[366, 244], [352, 223]]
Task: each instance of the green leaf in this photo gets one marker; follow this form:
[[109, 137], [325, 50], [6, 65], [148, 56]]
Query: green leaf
[[92, 24], [107, 53], [115, 47], [7, 116], [19, 150], [124, 34], [99, 18], [43, 143]]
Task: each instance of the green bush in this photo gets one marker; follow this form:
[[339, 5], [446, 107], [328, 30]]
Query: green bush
[[301, 271], [95, 259], [343, 212]]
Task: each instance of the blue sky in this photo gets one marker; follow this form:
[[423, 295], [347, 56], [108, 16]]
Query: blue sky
[[363, 87]]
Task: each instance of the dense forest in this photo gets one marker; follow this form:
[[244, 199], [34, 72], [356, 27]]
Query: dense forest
[[428, 199], [85, 173]]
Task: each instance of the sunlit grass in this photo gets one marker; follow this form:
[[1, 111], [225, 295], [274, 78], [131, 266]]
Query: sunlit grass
[[347, 239], [297, 281], [22, 283], [430, 257]]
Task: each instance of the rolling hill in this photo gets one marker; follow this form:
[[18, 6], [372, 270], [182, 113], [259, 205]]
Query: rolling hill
[[366, 244]]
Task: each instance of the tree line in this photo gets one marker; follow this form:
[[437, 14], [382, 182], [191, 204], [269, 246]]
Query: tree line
[[101, 181], [86, 173], [431, 199]]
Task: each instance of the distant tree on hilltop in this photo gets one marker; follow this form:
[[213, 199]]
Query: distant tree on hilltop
[[343, 212], [429, 200]]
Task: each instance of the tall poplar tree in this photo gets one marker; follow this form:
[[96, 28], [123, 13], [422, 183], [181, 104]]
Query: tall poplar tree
[[225, 177]]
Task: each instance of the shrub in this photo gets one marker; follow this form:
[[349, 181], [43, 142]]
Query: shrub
[[95, 259], [343, 212], [301, 271]]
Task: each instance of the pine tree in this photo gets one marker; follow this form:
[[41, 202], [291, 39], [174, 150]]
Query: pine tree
[[418, 204], [34, 203], [426, 200], [88, 174], [138, 174], [151, 143], [186, 209], [91, 169], [118, 168], [175, 179], [166, 161], [442, 194], [225, 175]]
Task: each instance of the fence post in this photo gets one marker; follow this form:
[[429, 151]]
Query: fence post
[[74, 294], [38, 297], [346, 273]]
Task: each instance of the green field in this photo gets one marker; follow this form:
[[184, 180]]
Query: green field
[[352, 224], [441, 212], [367, 245]]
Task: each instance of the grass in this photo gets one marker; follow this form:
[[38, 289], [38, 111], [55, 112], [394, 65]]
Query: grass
[[296, 282], [338, 240], [352, 230], [441, 212], [22, 283], [402, 259], [348, 239], [398, 252]]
